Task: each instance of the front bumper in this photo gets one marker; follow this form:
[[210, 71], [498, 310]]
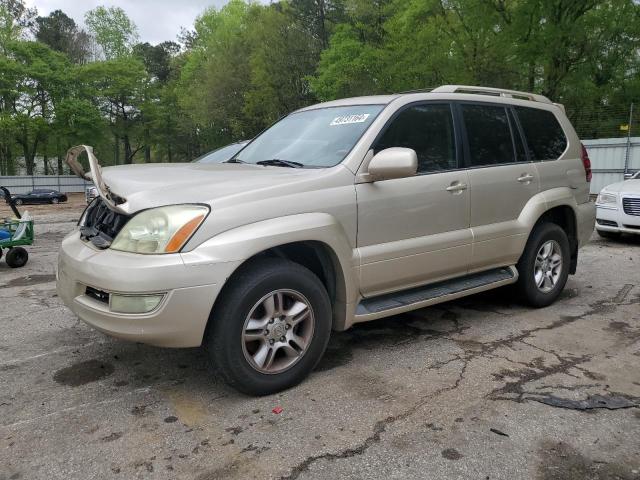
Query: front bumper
[[180, 319], [616, 220]]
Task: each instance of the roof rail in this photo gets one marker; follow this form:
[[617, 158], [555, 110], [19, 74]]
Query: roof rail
[[498, 92]]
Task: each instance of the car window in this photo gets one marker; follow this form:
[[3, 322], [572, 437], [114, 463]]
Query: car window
[[427, 129], [488, 134], [320, 137], [221, 154], [545, 138]]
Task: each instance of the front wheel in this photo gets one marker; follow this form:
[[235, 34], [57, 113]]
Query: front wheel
[[54, 200], [17, 202], [17, 257], [270, 327], [544, 265]]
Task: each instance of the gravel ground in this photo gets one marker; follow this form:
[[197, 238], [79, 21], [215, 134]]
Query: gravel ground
[[455, 391]]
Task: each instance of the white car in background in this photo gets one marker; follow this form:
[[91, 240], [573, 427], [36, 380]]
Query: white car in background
[[618, 208]]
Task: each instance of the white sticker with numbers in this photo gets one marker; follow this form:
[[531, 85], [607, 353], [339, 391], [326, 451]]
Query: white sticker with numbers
[[349, 119]]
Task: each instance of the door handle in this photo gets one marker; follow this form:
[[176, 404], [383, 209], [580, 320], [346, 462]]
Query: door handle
[[525, 178], [456, 187]]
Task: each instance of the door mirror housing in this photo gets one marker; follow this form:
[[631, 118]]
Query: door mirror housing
[[395, 162]]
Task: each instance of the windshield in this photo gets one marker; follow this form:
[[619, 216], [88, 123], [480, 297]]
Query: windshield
[[313, 138], [221, 154]]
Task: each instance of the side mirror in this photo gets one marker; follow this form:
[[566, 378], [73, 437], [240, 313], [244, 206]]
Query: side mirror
[[395, 162], [627, 176]]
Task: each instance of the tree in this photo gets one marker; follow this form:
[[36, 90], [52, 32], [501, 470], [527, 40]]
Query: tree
[[60, 32], [113, 30], [117, 88]]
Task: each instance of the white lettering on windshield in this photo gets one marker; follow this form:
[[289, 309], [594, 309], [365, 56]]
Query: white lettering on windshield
[[348, 119]]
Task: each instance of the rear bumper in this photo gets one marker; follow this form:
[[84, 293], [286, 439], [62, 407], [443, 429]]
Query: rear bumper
[[189, 292], [585, 219]]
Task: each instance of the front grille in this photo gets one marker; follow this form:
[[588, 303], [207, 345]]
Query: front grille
[[101, 224], [606, 223], [631, 206]]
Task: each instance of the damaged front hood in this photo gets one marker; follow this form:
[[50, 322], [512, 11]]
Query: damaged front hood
[[130, 188]]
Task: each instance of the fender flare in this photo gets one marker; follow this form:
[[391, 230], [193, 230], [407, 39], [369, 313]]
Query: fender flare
[[238, 245]]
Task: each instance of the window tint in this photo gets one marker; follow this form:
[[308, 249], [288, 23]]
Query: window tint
[[545, 138], [488, 134], [427, 129]]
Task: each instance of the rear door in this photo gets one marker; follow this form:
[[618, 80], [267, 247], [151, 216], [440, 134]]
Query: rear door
[[501, 181]]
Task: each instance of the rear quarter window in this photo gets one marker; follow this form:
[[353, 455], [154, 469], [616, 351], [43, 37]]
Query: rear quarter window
[[545, 138]]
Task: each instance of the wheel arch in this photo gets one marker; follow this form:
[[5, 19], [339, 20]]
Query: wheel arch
[[556, 206], [315, 241]]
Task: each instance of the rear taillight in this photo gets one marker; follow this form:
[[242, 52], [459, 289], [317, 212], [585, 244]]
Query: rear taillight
[[587, 163]]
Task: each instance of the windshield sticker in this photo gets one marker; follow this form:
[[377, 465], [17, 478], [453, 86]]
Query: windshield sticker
[[348, 119]]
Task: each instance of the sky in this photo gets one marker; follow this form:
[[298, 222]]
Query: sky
[[157, 20]]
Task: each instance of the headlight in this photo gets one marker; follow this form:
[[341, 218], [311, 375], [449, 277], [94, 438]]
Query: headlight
[[160, 230], [607, 199]]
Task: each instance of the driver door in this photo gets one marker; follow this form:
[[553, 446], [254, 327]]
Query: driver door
[[415, 230]]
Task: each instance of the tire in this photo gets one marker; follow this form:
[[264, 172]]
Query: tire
[[606, 234], [17, 257], [528, 286], [17, 202], [54, 200], [244, 303]]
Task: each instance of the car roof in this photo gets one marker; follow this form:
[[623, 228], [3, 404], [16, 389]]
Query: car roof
[[462, 92]]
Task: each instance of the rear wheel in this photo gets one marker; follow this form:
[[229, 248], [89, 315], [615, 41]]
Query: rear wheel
[[17, 257], [54, 200], [544, 265], [17, 202], [606, 234], [270, 327]]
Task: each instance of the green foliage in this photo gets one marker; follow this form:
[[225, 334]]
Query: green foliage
[[59, 32], [245, 65], [113, 30]]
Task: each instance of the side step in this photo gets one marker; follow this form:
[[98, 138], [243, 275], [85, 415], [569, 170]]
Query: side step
[[405, 300]]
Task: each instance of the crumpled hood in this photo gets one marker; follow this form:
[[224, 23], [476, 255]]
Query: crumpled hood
[[627, 186], [152, 185]]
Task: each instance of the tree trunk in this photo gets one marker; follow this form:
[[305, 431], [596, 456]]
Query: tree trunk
[[116, 150], [147, 154], [128, 155], [45, 160]]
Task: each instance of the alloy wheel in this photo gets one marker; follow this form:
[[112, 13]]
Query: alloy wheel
[[278, 331], [548, 266]]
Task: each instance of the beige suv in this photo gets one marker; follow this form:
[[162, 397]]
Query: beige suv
[[340, 213]]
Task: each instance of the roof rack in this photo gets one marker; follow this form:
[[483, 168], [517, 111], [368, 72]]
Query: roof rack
[[498, 92]]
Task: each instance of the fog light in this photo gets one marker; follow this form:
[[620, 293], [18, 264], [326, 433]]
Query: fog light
[[134, 303]]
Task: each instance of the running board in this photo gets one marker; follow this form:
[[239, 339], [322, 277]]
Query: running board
[[414, 298]]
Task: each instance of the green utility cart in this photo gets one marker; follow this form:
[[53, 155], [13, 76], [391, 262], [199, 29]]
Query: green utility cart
[[14, 233]]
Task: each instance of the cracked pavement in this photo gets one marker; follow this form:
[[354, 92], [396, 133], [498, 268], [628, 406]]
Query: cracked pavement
[[452, 391]]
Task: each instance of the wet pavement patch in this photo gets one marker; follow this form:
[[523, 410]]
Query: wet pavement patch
[[83, 372], [611, 402], [112, 437], [560, 461], [29, 280], [451, 454]]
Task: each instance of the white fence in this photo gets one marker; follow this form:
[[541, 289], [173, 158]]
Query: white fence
[[62, 183], [607, 159]]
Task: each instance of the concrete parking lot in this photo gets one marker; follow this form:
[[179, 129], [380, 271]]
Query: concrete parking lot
[[467, 389]]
